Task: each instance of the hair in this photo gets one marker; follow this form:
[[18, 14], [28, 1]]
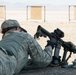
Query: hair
[[4, 30]]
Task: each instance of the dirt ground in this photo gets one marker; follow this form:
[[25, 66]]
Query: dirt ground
[[49, 71]]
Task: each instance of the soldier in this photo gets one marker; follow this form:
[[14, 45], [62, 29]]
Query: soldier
[[16, 45]]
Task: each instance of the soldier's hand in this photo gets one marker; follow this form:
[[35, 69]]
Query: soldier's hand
[[50, 43]]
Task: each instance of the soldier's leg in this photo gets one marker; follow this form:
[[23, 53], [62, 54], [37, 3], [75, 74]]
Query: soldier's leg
[[7, 64]]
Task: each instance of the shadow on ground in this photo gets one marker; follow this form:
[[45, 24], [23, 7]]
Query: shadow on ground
[[49, 71]]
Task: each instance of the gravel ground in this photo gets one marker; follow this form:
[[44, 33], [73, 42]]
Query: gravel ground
[[50, 71]]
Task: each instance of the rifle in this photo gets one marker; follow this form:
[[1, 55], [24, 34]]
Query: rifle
[[56, 38]]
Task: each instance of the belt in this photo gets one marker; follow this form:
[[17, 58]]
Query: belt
[[6, 51]]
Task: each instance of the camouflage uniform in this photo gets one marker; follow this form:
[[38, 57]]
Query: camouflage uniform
[[15, 48]]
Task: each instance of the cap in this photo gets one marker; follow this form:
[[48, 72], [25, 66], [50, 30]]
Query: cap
[[11, 23]]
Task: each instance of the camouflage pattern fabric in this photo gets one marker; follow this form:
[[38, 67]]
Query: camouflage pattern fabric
[[7, 64], [18, 46]]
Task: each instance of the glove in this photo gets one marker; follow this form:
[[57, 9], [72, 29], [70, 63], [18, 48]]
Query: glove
[[50, 43], [72, 47]]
